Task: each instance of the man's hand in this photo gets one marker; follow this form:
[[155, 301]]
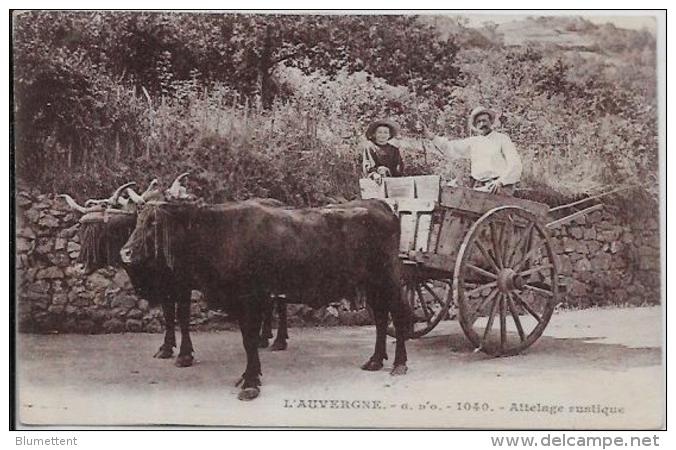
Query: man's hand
[[384, 171], [491, 187], [495, 187], [375, 176]]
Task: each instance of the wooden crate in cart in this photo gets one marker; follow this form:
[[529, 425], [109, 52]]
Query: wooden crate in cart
[[489, 256]]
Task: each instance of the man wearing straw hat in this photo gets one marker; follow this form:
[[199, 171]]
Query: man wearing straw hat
[[495, 164]]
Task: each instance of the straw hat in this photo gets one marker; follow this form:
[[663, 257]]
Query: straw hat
[[481, 110], [371, 130]]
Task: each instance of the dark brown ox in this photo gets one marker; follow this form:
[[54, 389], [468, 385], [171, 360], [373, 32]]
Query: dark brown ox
[[104, 228], [248, 250]]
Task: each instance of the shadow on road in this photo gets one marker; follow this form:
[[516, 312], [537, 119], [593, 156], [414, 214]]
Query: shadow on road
[[588, 352]]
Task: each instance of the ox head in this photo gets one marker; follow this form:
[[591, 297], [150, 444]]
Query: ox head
[[159, 228], [105, 225]]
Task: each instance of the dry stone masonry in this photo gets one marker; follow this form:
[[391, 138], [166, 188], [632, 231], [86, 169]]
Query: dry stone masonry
[[603, 261]]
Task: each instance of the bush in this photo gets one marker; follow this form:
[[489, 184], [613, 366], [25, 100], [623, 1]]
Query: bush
[[103, 98]]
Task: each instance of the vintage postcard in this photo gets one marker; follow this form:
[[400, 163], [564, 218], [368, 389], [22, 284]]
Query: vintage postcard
[[357, 220]]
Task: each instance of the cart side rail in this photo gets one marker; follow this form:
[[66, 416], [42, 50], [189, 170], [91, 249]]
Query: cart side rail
[[478, 202]]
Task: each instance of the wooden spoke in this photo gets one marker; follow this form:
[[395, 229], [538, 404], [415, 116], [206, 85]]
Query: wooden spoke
[[521, 300], [486, 255], [539, 290], [412, 296], [426, 309], [434, 294], [500, 233], [503, 322], [506, 237], [480, 288], [409, 297], [527, 307], [432, 307], [515, 316], [496, 245], [483, 302], [523, 238], [529, 255], [536, 269], [489, 325], [528, 243], [481, 271]]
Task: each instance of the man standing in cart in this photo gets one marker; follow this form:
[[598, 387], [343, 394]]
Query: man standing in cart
[[495, 164]]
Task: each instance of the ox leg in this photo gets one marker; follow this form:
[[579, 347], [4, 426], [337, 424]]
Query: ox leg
[[166, 350], [375, 362], [266, 330], [282, 331], [250, 324], [185, 358], [402, 318]]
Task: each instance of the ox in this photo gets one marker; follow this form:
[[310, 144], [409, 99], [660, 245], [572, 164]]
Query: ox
[[105, 226], [250, 250]]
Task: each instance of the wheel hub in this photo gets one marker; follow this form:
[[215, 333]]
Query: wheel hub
[[509, 280]]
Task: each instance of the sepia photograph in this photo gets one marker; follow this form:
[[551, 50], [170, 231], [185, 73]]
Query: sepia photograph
[[338, 219]]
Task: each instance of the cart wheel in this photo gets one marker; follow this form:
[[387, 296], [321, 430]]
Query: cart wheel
[[429, 300], [506, 271]]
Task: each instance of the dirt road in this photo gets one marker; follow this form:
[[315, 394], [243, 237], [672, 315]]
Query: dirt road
[[598, 368]]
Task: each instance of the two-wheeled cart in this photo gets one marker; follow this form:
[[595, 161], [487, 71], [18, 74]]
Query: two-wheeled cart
[[490, 256]]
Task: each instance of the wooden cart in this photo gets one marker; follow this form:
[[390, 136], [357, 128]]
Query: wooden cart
[[489, 256]]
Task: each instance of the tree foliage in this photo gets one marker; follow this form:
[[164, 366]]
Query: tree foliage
[[275, 104], [73, 70]]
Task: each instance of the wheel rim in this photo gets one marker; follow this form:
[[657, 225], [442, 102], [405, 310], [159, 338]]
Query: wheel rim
[[504, 281], [429, 301]]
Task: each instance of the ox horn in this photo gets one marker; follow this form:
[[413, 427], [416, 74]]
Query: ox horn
[[151, 188], [97, 202], [116, 195], [138, 199], [176, 190], [81, 209], [123, 202]]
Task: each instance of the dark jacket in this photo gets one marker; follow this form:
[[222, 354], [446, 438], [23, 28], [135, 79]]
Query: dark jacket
[[386, 155]]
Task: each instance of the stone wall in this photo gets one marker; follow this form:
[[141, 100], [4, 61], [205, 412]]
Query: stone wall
[[604, 262]]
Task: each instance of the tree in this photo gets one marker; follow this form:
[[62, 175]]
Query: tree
[[400, 49], [243, 50]]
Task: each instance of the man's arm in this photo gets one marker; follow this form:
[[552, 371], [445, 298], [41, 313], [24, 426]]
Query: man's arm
[[452, 148], [514, 167]]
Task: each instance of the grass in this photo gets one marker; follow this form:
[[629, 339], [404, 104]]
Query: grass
[[304, 151]]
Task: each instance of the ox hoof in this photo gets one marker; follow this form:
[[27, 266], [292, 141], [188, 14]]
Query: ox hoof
[[262, 343], [278, 346], [399, 369], [241, 380], [372, 366], [184, 361], [164, 353], [248, 394]]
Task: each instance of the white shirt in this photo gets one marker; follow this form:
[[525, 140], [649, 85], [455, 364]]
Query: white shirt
[[491, 156]]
